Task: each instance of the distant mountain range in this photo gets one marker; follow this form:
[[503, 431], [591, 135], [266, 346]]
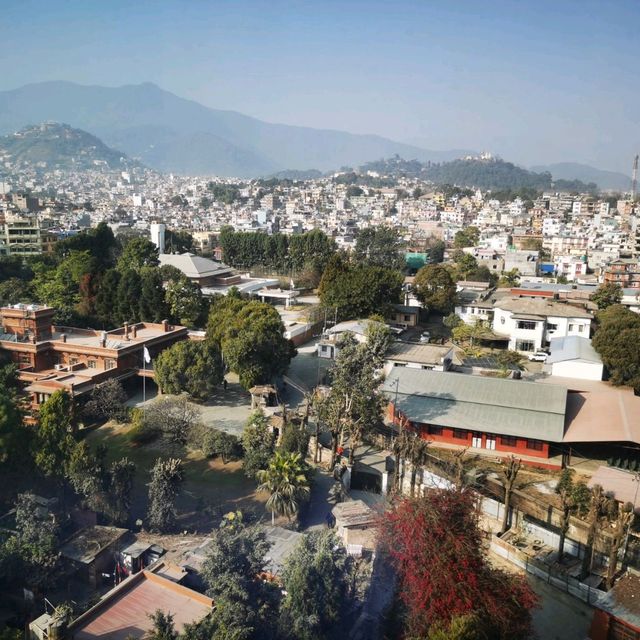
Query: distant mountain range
[[170, 133], [575, 171], [59, 146]]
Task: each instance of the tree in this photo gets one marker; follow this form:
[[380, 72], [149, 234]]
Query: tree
[[470, 333], [466, 265], [54, 442], [189, 366], [380, 247], [465, 627], [295, 438], [258, 444], [616, 340], [621, 521], [509, 278], [285, 479], [107, 400], [220, 443], [574, 498], [378, 337], [181, 241], [14, 438], [85, 471], [315, 578], [245, 606], [166, 478], [152, 305], [599, 505], [353, 404], [250, 335], [435, 288], [184, 298], [452, 321], [120, 487], [359, 290], [466, 238], [173, 417], [32, 551], [138, 253], [435, 545], [163, 627], [105, 302], [509, 476], [128, 295], [607, 294]]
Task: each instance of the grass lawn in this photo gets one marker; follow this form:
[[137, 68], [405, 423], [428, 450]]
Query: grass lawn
[[211, 488]]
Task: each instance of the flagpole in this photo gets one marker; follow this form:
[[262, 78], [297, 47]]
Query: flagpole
[[144, 381]]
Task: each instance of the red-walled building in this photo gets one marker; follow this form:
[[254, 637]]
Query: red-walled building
[[494, 414], [50, 357], [617, 614]]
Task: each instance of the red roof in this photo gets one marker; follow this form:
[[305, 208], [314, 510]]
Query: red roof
[[125, 610]]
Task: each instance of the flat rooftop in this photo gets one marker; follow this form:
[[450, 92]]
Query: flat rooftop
[[124, 612]]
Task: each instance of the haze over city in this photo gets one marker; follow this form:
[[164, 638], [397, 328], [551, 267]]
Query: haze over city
[[536, 83]]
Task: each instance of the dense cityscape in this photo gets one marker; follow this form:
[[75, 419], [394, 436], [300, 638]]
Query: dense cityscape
[[281, 382]]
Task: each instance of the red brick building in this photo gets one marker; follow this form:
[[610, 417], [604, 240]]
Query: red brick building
[[51, 357]]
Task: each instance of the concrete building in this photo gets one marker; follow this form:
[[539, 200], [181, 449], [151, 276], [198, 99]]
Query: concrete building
[[574, 357], [531, 323], [158, 231]]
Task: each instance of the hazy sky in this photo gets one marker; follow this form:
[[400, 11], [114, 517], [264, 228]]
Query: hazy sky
[[535, 81]]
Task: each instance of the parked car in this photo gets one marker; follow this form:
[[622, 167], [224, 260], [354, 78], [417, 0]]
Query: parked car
[[538, 356], [425, 336]]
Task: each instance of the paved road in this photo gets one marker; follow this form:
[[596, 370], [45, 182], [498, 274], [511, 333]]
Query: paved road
[[561, 616]]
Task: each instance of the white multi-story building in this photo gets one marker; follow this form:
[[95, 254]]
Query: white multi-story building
[[530, 324]]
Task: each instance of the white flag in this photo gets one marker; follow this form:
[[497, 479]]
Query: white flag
[[145, 353]]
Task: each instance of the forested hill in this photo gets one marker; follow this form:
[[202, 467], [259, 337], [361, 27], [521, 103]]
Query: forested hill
[[494, 174], [52, 145]]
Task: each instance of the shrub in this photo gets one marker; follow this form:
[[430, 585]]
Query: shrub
[[220, 443], [141, 432]]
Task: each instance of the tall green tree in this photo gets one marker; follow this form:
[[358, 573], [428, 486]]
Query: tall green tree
[[188, 366], [106, 300], [607, 294], [153, 307], [14, 438], [54, 442], [359, 291], [353, 405], [138, 253], [128, 296], [380, 247], [167, 477], [184, 299], [258, 444], [435, 288], [250, 336], [315, 578], [616, 340]]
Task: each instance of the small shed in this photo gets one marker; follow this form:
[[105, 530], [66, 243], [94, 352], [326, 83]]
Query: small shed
[[93, 551], [574, 357], [263, 395], [355, 523]]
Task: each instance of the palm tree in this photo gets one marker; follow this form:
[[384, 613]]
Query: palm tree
[[285, 479]]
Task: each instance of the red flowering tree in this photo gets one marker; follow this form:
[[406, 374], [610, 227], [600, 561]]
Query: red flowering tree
[[435, 544]]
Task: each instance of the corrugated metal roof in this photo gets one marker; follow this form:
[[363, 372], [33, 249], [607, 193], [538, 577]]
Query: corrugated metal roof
[[572, 348], [493, 405]]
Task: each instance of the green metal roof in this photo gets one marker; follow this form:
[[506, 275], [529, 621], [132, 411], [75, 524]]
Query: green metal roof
[[477, 403]]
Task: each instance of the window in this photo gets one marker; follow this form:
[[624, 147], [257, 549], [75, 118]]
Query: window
[[525, 345], [464, 309], [526, 324], [551, 326], [73, 361], [580, 328], [536, 445], [24, 358], [109, 364], [572, 327], [435, 431], [459, 434], [91, 364], [508, 441]]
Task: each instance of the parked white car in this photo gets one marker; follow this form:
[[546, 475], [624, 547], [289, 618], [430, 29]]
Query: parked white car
[[538, 356], [425, 336]]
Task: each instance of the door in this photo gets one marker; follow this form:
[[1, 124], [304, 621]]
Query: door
[[476, 440], [490, 442]]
